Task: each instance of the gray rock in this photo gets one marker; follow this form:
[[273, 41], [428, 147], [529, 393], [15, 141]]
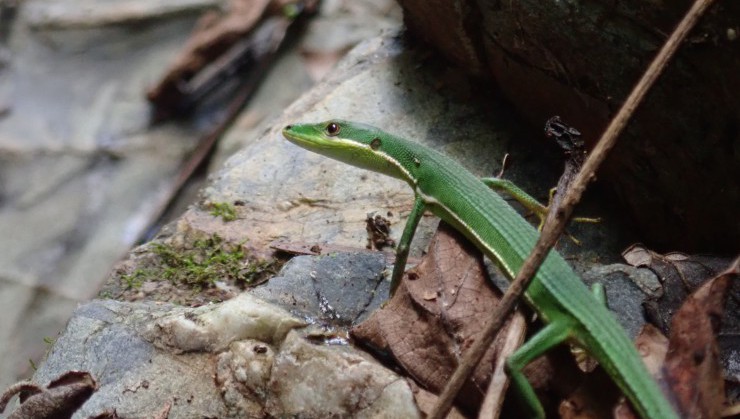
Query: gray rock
[[340, 289], [146, 356], [626, 288], [214, 327], [323, 381], [136, 379], [291, 194]]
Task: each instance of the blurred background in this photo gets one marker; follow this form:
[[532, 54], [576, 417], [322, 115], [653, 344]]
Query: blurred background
[[102, 142]]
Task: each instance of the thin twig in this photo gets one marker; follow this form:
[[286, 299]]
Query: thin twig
[[555, 223]]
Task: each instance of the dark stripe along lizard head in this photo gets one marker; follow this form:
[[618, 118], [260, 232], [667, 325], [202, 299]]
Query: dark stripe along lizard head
[[350, 142]]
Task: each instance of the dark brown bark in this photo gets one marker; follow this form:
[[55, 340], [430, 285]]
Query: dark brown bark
[[675, 173]]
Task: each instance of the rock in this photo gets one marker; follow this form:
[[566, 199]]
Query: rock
[[146, 356], [287, 193], [626, 289], [212, 328], [339, 289], [321, 381], [104, 338]]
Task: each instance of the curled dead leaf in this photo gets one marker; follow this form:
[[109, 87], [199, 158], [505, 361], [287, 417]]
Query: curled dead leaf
[[431, 321], [60, 399], [692, 366], [638, 255]]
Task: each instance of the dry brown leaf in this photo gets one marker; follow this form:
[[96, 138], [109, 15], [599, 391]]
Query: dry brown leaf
[[592, 400], [427, 336], [693, 368], [638, 255], [624, 411], [692, 364], [426, 401], [680, 275], [60, 399], [652, 346], [599, 397]]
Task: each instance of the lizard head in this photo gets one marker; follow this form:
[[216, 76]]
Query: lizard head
[[350, 142]]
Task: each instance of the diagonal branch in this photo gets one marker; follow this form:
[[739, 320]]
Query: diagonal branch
[[556, 220]]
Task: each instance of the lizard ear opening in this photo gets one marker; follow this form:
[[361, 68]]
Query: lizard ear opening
[[332, 129], [375, 143]]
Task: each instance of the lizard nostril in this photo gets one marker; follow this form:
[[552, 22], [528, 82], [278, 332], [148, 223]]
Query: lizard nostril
[[288, 126]]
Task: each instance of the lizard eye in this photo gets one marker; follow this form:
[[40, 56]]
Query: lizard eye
[[332, 129]]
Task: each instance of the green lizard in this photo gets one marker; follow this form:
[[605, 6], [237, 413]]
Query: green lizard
[[562, 301]]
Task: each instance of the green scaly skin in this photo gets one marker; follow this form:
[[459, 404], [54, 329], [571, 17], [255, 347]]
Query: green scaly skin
[[556, 293]]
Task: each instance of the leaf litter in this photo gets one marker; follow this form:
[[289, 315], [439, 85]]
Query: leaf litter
[[443, 303]]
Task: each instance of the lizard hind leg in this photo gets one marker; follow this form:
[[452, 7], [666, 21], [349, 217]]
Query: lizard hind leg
[[551, 335]]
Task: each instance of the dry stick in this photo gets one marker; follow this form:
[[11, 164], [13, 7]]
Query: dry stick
[[554, 228]]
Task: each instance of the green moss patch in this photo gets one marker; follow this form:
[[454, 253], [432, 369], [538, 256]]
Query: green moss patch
[[225, 210], [207, 261]]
